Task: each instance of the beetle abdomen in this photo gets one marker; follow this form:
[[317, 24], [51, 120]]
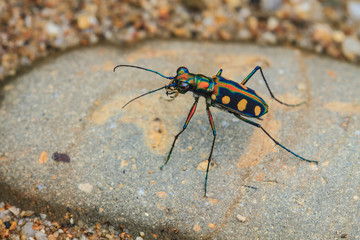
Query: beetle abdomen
[[237, 98]]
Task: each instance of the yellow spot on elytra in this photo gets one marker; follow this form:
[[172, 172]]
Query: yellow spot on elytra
[[242, 105], [225, 100], [257, 110], [213, 97]]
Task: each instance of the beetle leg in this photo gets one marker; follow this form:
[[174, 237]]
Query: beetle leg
[[250, 75], [267, 85], [213, 143], [172, 97], [191, 114], [276, 142]]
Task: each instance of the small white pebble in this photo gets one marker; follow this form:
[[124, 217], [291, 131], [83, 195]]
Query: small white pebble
[[240, 218], [85, 187], [141, 192], [139, 238], [235, 120], [225, 124], [41, 236], [354, 9], [301, 86], [14, 210], [142, 234]]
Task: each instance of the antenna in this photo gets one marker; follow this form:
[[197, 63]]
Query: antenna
[[166, 86], [125, 65]]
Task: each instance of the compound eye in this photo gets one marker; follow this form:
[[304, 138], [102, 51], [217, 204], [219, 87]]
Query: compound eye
[[182, 70], [183, 85]]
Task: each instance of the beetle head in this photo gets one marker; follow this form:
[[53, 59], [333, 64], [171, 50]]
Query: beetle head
[[180, 83]]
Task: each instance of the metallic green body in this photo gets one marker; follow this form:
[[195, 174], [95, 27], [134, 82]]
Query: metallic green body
[[222, 93]]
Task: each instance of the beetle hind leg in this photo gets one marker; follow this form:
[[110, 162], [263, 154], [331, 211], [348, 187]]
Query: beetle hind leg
[[276, 142], [267, 85]]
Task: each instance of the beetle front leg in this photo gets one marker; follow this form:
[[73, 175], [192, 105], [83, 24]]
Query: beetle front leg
[[213, 143], [191, 114]]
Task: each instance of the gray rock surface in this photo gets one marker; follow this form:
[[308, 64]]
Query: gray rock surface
[[72, 104]]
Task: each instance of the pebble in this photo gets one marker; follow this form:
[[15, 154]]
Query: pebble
[[83, 22], [322, 33], [86, 187], [225, 124], [338, 36], [269, 38], [244, 34], [271, 5], [26, 213], [272, 23], [14, 210], [52, 29], [41, 236], [351, 48], [240, 218], [28, 230], [353, 8]]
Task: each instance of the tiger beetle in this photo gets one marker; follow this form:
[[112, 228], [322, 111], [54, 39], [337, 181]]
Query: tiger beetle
[[222, 93]]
